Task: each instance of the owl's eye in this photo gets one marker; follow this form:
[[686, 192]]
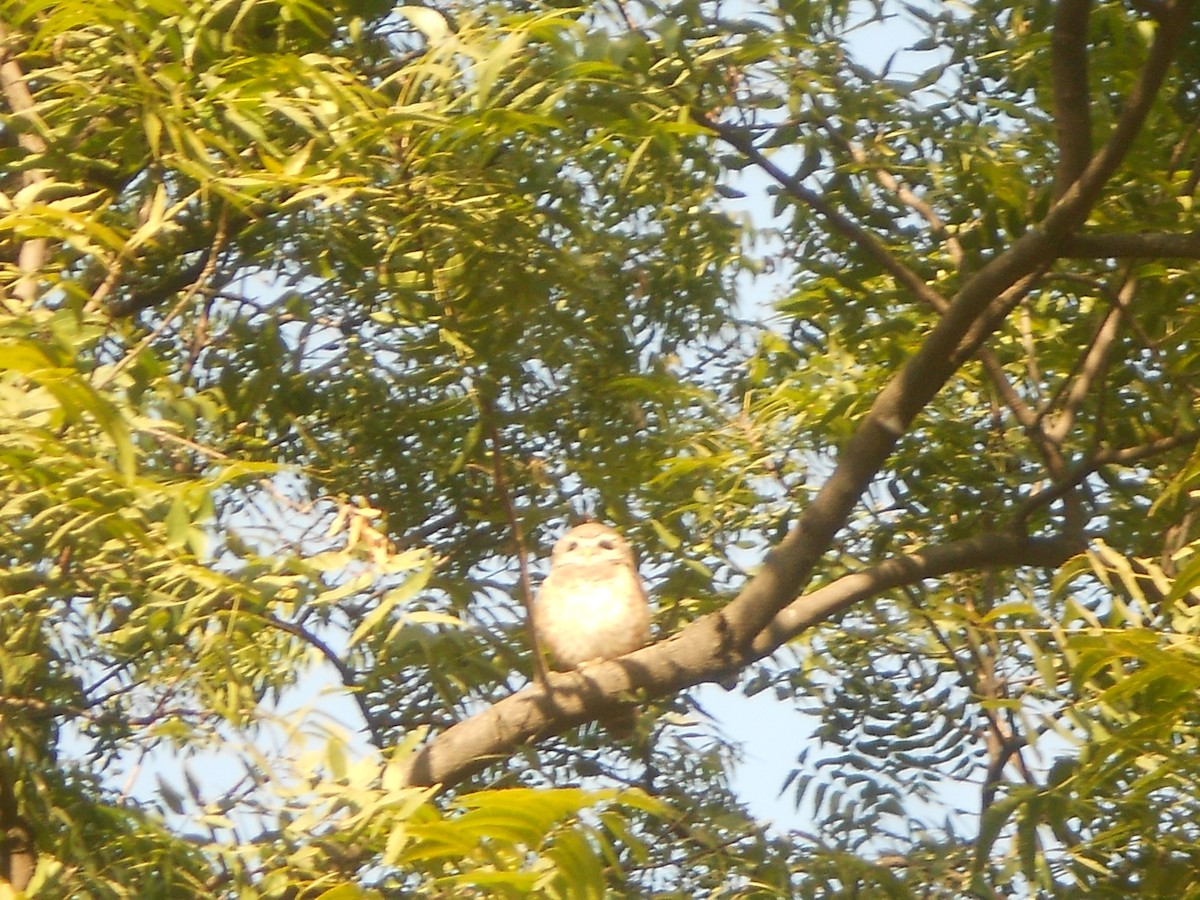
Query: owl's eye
[[606, 544], [573, 545]]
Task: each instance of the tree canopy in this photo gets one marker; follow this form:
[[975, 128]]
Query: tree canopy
[[320, 321]]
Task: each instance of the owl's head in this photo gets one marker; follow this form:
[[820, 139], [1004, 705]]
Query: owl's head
[[591, 544]]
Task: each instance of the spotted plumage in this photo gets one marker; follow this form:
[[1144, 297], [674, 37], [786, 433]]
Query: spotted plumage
[[592, 605]]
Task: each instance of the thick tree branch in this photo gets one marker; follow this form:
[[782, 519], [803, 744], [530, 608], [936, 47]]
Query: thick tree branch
[[1151, 245], [1075, 203], [697, 654], [964, 327], [983, 551], [1072, 104]]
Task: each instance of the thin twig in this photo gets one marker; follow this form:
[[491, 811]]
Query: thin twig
[[32, 255], [903, 193], [514, 527], [741, 141], [348, 676], [1092, 366], [1032, 369], [1123, 456], [1065, 385], [111, 277], [1007, 742], [194, 288]]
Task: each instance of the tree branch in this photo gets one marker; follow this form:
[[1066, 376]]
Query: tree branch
[[32, 255], [205, 245], [1150, 245], [1124, 456], [1025, 415], [1091, 366], [1004, 740], [345, 673], [918, 205], [1072, 105], [971, 318], [983, 551], [697, 654], [1076, 202], [194, 288], [147, 297], [741, 141], [500, 483], [893, 185]]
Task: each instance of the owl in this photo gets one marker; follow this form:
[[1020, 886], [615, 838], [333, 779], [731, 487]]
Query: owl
[[592, 605]]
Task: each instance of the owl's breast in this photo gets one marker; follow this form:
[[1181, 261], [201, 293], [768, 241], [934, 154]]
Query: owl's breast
[[585, 613]]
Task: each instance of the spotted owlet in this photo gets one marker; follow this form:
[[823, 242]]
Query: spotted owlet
[[592, 605]]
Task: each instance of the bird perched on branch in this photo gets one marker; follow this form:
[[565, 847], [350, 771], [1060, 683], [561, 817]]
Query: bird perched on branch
[[592, 605]]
